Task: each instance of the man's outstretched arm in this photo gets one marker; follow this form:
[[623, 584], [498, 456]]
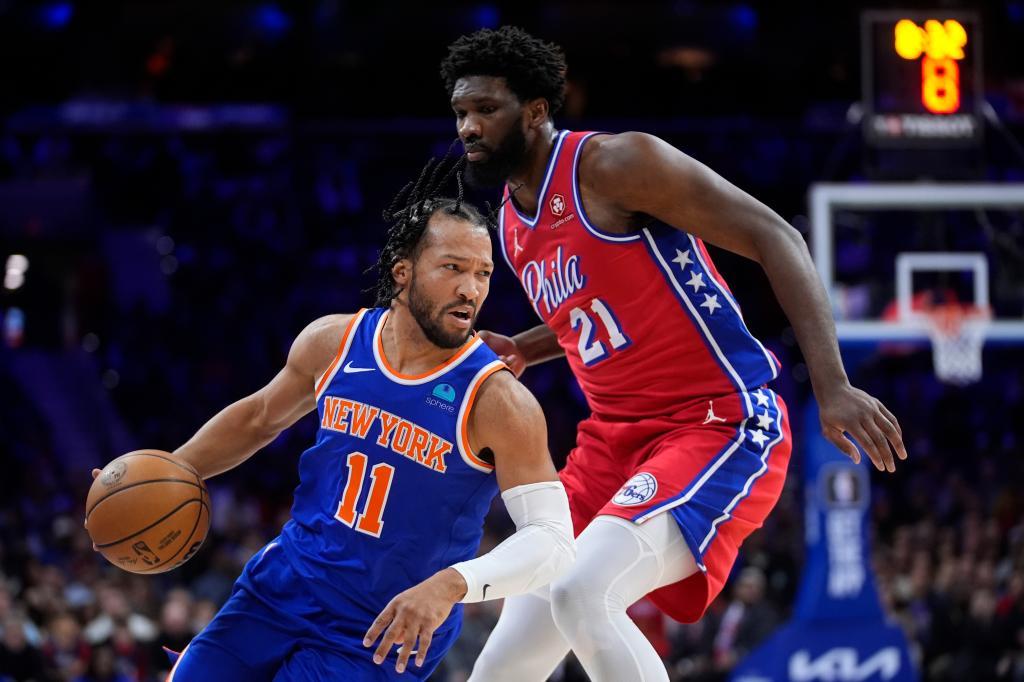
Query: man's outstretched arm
[[641, 174], [239, 430], [242, 428]]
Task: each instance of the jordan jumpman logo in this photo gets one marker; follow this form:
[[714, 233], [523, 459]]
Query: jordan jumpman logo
[[712, 417]]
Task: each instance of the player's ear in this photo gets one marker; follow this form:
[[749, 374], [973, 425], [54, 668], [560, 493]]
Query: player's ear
[[536, 112], [402, 271]]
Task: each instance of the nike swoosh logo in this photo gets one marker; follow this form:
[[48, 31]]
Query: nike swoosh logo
[[486, 585], [349, 369]]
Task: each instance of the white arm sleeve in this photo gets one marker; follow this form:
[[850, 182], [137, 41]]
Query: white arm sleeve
[[538, 552]]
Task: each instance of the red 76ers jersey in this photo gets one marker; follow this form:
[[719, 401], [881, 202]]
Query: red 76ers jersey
[[646, 321]]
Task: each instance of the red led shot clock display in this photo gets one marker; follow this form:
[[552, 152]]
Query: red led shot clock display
[[938, 45], [922, 78]]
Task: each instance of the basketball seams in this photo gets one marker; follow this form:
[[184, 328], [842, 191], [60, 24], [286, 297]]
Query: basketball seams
[[157, 473], [185, 544], [155, 523], [89, 512]]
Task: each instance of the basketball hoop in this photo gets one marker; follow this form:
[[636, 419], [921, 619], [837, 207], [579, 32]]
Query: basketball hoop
[[958, 333]]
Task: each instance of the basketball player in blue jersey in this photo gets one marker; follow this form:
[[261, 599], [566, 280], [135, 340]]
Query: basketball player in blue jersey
[[420, 427]]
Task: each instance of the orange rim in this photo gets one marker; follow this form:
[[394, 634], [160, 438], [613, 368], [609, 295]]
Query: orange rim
[[949, 317]]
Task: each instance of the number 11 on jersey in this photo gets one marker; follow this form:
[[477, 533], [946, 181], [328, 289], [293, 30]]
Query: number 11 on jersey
[[592, 351], [369, 521]]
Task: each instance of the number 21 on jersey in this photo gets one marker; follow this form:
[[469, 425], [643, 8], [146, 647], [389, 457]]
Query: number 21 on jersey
[[591, 350], [370, 520]]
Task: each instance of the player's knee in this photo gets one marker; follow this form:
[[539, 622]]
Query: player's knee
[[570, 599]]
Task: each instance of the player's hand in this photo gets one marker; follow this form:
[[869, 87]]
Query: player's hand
[[414, 615], [850, 413], [507, 350]]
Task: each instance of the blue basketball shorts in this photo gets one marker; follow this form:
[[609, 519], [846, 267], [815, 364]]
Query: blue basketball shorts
[[273, 629]]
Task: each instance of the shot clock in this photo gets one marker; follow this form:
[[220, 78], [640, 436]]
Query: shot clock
[[921, 78]]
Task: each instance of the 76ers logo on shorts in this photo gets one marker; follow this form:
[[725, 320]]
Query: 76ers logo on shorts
[[639, 489], [558, 204]]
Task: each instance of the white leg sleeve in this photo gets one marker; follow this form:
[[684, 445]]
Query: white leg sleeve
[[617, 563], [525, 645]]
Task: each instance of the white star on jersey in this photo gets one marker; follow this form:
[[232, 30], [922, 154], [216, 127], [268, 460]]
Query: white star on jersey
[[764, 421], [711, 303], [683, 258], [696, 281], [757, 435], [762, 399]]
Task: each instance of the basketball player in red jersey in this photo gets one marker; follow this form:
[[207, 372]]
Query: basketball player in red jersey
[[686, 451]]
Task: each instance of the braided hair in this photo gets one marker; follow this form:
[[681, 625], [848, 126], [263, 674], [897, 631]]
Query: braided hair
[[410, 213]]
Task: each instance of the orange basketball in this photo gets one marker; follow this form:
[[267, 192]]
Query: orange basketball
[[147, 512]]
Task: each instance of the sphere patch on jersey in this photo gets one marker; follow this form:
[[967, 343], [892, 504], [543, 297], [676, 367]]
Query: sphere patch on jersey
[[445, 392], [637, 490]]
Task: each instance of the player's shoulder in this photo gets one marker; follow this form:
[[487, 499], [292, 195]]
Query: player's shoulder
[[329, 329], [620, 163], [319, 342], [609, 148], [506, 416], [504, 402], [610, 159]]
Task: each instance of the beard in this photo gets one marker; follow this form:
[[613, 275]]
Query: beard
[[500, 162], [432, 323]]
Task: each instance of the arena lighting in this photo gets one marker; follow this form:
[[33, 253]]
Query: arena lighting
[[14, 272], [271, 19], [17, 261], [486, 16], [743, 19], [14, 327], [56, 15], [13, 279]]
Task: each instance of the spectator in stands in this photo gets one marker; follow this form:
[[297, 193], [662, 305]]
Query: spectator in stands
[[116, 610], [19, 660], [175, 627], [103, 668], [66, 652], [746, 622]]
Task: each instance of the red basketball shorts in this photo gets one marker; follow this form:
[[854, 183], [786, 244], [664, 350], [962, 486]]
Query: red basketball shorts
[[718, 466]]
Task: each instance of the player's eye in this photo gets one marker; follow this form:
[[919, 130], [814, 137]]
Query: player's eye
[[451, 266], [488, 109]]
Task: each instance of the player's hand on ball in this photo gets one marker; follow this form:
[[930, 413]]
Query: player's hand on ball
[[849, 412], [507, 350], [414, 615]]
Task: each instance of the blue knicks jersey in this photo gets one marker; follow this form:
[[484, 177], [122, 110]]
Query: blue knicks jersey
[[391, 492]]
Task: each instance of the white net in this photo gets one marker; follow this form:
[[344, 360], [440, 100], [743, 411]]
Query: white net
[[958, 335]]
